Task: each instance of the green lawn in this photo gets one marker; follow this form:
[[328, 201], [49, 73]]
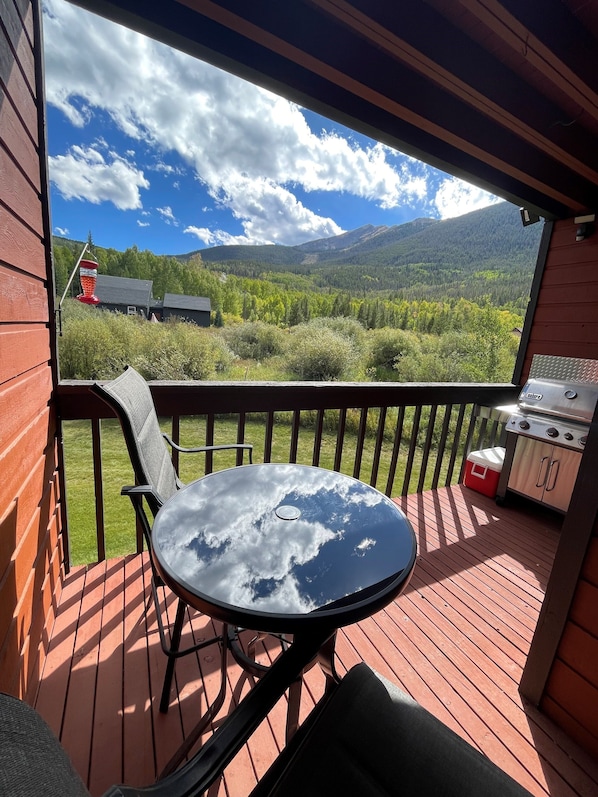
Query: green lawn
[[119, 520]]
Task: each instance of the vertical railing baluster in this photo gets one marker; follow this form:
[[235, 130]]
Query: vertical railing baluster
[[268, 437], [427, 447], [378, 446], [98, 484], [493, 434], [412, 449], [455, 446], [176, 436], [209, 442], [442, 445], [340, 439], [359, 443], [241, 437], [294, 436], [315, 460], [468, 439], [482, 430], [395, 451]]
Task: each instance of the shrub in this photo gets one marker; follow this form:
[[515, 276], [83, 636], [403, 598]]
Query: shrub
[[349, 328], [98, 345], [387, 347], [254, 340], [85, 349], [319, 354], [180, 350]]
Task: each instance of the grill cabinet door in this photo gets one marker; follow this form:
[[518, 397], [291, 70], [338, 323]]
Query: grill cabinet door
[[561, 477], [544, 472], [531, 464]]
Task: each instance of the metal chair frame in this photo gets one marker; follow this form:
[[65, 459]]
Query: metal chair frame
[[145, 489]]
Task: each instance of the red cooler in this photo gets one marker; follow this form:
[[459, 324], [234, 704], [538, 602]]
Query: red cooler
[[482, 470]]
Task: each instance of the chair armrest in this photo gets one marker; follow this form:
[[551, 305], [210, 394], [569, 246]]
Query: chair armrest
[[143, 490], [137, 493], [201, 449]]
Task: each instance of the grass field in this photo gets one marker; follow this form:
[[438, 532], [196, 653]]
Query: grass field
[[119, 520]]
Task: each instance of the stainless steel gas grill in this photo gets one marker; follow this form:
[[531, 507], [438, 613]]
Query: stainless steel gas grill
[[555, 411], [551, 422]]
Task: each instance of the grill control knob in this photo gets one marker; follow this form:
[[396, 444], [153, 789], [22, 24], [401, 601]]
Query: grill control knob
[[524, 424], [570, 394], [568, 436], [583, 440], [552, 431]]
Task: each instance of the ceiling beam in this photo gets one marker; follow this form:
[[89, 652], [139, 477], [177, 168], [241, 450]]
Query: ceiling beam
[[460, 66], [392, 89], [550, 39]]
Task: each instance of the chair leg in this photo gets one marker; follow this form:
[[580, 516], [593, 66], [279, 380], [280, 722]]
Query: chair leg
[[211, 713], [174, 646]]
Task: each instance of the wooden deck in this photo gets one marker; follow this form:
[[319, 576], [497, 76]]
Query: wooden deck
[[456, 640]]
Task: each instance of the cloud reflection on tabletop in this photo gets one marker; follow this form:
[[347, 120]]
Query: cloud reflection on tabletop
[[228, 540]]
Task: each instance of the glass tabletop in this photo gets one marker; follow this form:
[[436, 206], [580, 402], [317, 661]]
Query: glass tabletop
[[282, 541]]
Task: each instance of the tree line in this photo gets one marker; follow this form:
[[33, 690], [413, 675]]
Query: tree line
[[286, 299]]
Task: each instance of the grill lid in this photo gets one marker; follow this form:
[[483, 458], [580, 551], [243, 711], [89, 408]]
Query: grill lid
[[575, 401]]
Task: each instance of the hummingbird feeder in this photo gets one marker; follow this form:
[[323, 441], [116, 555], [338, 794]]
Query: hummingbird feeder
[[88, 276]]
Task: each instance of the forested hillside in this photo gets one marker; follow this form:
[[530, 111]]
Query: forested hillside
[[486, 254], [428, 276]]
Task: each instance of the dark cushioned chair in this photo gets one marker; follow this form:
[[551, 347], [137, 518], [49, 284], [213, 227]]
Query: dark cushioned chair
[[366, 738]]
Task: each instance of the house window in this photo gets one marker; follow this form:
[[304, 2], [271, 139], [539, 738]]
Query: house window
[[131, 310]]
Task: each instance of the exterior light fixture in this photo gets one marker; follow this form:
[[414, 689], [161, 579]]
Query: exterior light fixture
[[584, 226], [527, 217]]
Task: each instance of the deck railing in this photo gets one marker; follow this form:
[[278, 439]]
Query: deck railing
[[400, 438]]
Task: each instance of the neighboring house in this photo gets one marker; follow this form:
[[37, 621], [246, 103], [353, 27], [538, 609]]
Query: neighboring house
[[134, 297], [124, 294], [188, 308]]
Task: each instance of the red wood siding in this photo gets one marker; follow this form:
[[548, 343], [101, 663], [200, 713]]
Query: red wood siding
[[571, 695], [30, 546], [565, 321]]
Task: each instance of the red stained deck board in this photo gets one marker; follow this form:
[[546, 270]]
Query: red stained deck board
[[138, 739], [77, 727], [455, 640], [106, 755]]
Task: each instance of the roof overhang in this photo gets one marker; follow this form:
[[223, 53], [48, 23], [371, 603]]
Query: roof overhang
[[502, 93]]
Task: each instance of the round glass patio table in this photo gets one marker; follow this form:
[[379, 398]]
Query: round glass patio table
[[283, 547]]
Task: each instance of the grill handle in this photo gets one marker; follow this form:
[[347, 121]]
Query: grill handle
[[552, 468], [539, 481]]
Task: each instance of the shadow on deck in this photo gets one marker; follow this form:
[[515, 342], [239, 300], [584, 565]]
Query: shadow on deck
[[456, 640]]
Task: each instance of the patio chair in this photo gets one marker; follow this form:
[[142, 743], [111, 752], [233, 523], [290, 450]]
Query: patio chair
[[130, 398], [365, 737]]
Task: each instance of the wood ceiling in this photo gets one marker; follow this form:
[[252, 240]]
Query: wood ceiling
[[503, 93]]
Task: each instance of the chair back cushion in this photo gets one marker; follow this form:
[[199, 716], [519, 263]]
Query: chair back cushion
[[371, 739], [32, 761], [131, 399]]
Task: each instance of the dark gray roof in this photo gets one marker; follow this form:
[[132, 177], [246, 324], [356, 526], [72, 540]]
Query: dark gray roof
[[123, 290], [178, 301]]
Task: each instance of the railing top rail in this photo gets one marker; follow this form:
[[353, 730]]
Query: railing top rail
[[75, 400]]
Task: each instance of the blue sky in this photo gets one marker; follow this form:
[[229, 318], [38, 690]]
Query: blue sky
[[150, 147]]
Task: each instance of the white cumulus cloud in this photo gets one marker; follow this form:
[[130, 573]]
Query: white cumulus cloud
[[454, 197], [84, 173], [253, 151]]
